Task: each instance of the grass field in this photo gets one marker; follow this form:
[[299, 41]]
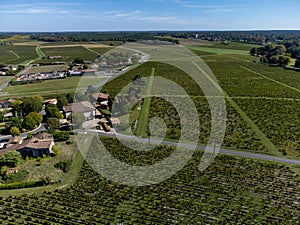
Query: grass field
[[45, 69], [222, 51], [4, 79], [51, 87], [219, 44]]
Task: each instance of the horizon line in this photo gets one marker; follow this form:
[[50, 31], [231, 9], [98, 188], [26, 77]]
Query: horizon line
[[150, 30]]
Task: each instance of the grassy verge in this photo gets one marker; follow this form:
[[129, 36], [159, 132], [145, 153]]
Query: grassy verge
[[144, 113]]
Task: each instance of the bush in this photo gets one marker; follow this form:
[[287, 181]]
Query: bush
[[59, 136], [56, 150], [20, 185], [64, 166]]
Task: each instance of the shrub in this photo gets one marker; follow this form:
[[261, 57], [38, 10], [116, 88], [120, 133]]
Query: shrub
[[64, 166], [59, 136], [56, 150]]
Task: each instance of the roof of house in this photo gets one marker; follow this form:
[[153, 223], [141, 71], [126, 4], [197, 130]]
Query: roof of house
[[15, 140], [51, 101], [80, 107], [41, 141], [103, 96], [115, 120], [4, 101]]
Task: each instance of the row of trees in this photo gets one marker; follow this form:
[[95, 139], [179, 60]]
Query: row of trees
[[272, 54]]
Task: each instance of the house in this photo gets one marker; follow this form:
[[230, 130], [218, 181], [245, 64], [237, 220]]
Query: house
[[14, 141], [50, 101], [37, 146], [103, 97], [84, 107], [115, 121], [5, 103], [11, 171], [55, 57]]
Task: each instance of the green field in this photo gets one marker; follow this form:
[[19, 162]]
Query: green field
[[45, 69], [50, 87], [100, 51], [70, 53], [17, 54], [220, 51], [4, 79]]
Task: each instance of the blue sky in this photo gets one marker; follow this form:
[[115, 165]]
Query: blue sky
[[114, 15]]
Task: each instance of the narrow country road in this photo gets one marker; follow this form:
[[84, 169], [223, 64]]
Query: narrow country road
[[199, 147]]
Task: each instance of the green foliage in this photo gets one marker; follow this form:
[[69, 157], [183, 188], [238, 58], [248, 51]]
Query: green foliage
[[38, 118], [62, 101], [56, 150], [15, 131], [59, 136], [52, 111], [10, 159], [78, 119], [17, 107], [20, 176], [64, 166], [52, 123], [32, 120], [78, 61], [20, 185], [1, 116], [32, 104]]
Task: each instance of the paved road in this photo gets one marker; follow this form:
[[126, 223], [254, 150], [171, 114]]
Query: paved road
[[199, 147], [24, 135]]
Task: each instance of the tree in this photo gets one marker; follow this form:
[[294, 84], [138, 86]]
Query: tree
[[17, 107], [17, 122], [29, 123], [1, 116], [10, 159], [78, 119], [38, 118], [15, 131], [52, 123], [284, 60], [70, 97], [274, 59], [53, 112], [254, 51], [32, 104], [62, 101], [78, 61]]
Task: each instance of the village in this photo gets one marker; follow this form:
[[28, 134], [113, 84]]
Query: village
[[56, 119]]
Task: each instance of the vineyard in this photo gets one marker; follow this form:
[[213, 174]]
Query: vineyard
[[231, 191], [262, 106]]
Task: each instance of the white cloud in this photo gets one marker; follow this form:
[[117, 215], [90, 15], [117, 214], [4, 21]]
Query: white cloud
[[138, 15], [36, 10]]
